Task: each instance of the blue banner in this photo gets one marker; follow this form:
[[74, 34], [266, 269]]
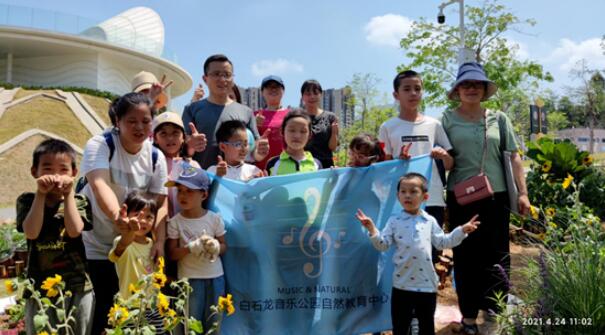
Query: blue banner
[[298, 261]]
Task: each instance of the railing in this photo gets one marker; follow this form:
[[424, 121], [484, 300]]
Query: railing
[[53, 21]]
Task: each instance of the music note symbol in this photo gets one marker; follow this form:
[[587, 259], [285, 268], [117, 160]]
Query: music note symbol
[[316, 249], [339, 239], [288, 238]]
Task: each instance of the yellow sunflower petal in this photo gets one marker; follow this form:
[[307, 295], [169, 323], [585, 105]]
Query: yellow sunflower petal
[[10, 286], [567, 181]]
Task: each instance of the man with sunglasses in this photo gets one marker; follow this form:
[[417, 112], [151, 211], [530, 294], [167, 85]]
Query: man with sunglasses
[[207, 115]]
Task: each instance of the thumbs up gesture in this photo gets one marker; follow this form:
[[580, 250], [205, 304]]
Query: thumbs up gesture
[[260, 120], [472, 225], [198, 94], [196, 141], [335, 128], [221, 167], [262, 146]]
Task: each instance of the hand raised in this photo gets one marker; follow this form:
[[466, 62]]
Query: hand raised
[[158, 88], [335, 128], [366, 221], [221, 167], [262, 144], [196, 141], [122, 221], [405, 152], [260, 120], [198, 94], [472, 225]]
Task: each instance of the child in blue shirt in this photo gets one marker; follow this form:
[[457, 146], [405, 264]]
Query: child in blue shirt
[[413, 231]]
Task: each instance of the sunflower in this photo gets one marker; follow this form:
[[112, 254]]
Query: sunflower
[[567, 181], [534, 212], [117, 315], [161, 264], [10, 286], [133, 289], [546, 166], [587, 160], [550, 211], [162, 304], [552, 225], [51, 284], [159, 280], [170, 319], [44, 332], [226, 304]]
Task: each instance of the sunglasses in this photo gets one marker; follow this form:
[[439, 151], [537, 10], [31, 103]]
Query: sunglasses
[[472, 84]]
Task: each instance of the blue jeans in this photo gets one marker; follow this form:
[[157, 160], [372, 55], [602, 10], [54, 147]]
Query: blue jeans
[[205, 294]]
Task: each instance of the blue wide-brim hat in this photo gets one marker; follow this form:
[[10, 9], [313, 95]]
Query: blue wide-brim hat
[[472, 71]]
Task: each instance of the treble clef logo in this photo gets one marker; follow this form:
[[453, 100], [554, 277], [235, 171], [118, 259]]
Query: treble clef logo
[[319, 242], [314, 246]]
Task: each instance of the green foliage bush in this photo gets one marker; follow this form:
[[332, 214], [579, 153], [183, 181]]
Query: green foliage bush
[[559, 170], [84, 90], [564, 291]]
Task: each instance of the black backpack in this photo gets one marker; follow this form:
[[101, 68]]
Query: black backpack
[[112, 148]]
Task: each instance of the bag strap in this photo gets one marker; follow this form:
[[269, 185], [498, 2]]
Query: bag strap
[[484, 143], [501, 127], [154, 157], [110, 144]]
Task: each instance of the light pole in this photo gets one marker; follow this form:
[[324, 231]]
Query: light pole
[[464, 55]]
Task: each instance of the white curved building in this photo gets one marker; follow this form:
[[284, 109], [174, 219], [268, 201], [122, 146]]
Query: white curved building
[[139, 28], [104, 57]]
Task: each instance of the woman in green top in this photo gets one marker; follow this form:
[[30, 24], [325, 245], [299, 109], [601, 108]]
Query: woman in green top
[[478, 261]]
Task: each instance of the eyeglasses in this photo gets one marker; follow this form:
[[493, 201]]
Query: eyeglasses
[[360, 156], [472, 84], [219, 74], [237, 144]]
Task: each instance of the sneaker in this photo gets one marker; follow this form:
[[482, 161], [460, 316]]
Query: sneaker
[[414, 327], [469, 329]]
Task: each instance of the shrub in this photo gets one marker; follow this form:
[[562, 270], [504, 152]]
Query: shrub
[[84, 90]]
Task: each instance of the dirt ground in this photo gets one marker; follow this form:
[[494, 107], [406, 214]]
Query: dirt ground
[[448, 315]]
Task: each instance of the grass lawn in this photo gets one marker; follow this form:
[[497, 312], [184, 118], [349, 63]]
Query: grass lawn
[[46, 114], [23, 93], [16, 164], [100, 105]]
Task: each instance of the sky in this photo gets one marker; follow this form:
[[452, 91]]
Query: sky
[[331, 40]]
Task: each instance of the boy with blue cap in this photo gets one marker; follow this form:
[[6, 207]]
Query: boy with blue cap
[[196, 237]]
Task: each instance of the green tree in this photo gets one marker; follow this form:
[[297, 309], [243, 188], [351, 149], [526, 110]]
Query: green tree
[[432, 49], [556, 121], [572, 111], [591, 95], [363, 87]]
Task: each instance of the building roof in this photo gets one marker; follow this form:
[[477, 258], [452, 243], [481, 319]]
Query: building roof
[[140, 28]]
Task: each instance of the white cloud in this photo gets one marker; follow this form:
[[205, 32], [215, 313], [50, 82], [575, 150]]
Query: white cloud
[[521, 50], [569, 53], [387, 30], [278, 66]]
